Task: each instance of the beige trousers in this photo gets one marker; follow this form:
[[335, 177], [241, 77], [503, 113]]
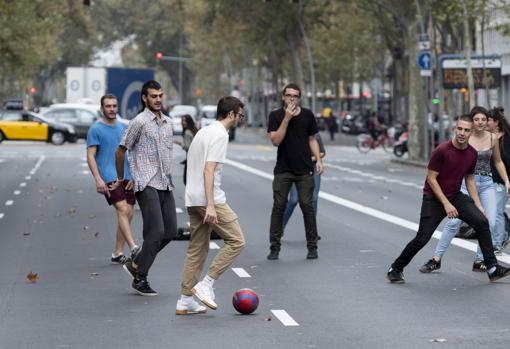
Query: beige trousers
[[228, 229]]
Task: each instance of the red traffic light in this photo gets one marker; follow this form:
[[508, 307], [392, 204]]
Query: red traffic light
[[33, 90], [159, 56]]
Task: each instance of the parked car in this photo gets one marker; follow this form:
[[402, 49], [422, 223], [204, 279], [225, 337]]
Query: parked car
[[12, 104], [81, 116], [19, 125], [176, 115], [207, 115]]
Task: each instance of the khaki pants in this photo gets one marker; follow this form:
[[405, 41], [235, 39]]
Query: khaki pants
[[228, 229]]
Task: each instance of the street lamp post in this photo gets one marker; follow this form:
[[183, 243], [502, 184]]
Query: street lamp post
[[161, 57]]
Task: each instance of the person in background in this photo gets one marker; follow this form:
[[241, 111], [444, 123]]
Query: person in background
[[189, 130], [293, 195], [498, 125], [103, 138]]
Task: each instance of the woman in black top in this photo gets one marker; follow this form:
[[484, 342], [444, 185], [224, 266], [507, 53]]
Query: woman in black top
[[498, 124]]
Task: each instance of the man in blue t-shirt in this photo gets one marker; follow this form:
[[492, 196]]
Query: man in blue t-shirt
[[103, 138]]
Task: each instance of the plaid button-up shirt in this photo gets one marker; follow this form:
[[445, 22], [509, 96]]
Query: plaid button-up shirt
[[150, 155]]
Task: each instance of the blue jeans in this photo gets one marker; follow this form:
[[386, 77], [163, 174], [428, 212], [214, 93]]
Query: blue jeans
[[500, 234], [293, 198], [487, 194]]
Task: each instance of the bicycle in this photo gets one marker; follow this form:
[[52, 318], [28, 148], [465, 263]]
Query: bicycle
[[365, 142]]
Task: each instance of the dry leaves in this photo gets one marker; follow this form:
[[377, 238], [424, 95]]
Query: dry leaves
[[32, 277], [93, 275], [72, 211], [268, 318], [86, 227], [96, 234]]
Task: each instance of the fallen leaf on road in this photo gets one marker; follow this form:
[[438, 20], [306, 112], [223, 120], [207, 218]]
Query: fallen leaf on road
[[268, 318], [72, 211], [93, 275], [86, 227], [26, 233], [96, 234], [31, 277]]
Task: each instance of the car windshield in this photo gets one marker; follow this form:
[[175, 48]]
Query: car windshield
[[209, 114]]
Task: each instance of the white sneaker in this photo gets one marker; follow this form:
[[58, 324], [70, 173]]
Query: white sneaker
[[205, 294], [188, 308]]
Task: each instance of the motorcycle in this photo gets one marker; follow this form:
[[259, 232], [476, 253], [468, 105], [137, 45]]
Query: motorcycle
[[400, 147]]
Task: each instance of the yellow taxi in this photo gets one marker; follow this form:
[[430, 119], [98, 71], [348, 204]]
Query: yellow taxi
[[19, 125]]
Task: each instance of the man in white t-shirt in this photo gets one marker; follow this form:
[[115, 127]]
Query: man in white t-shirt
[[207, 209]]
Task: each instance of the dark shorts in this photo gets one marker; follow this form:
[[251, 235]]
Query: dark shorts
[[120, 194]]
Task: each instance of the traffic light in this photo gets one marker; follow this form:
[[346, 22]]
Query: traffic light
[[33, 90], [159, 56]]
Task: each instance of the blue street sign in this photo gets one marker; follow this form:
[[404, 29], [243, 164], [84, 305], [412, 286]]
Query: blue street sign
[[425, 60]]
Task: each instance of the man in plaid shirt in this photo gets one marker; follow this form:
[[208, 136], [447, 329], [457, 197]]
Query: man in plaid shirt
[[149, 140]]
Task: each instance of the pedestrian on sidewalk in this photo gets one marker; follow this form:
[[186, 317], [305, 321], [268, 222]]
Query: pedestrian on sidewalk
[[487, 147], [103, 138], [207, 208], [450, 162], [292, 129], [148, 139]]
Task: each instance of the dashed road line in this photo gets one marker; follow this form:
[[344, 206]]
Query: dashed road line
[[23, 184], [17, 192], [213, 245], [241, 272], [284, 317], [2, 215], [37, 165], [9, 202], [28, 178]]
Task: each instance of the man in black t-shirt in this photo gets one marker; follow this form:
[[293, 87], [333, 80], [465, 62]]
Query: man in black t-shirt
[[292, 130]]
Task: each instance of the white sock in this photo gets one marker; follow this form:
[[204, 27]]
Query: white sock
[[116, 255], [208, 280], [492, 270], [186, 299], [134, 247]]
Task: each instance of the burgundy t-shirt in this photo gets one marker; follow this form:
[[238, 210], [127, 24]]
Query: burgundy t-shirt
[[453, 165]]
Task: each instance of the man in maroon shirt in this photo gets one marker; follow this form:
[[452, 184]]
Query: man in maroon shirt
[[449, 164]]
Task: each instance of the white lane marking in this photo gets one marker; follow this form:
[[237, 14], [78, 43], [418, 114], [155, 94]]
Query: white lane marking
[[213, 245], [37, 165], [372, 212], [17, 192], [9, 202], [28, 178], [284, 317], [23, 184], [241, 272], [84, 165], [178, 210], [85, 172], [1, 160], [1, 215]]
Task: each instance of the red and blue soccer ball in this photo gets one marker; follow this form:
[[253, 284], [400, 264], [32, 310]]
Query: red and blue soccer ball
[[245, 301]]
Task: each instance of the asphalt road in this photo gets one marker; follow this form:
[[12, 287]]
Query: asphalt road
[[54, 224]]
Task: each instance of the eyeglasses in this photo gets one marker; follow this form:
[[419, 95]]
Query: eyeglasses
[[292, 96]]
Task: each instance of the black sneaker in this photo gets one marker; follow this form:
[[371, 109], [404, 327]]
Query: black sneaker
[[430, 266], [120, 259], [273, 255], [142, 287], [128, 267], [312, 254], [135, 251], [395, 277], [479, 266], [499, 273]]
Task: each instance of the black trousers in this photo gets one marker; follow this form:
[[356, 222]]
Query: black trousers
[[159, 225], [281, 187], [432, 213]]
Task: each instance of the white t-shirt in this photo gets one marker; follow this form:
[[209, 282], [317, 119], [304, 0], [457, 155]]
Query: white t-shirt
[[209, 144]]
